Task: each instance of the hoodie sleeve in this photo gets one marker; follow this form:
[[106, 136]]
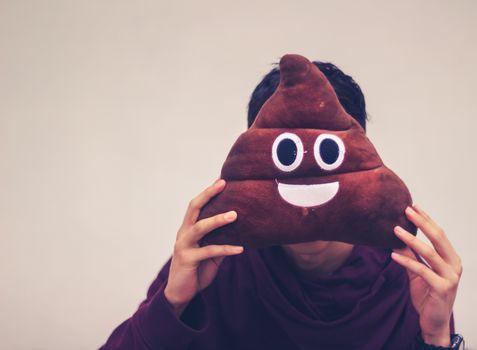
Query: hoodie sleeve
[[155, 325]]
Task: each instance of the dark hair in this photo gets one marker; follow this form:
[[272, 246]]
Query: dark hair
[[348, 91]]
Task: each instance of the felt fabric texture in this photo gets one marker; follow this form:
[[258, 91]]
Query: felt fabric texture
[[306, 171], [258, 302]]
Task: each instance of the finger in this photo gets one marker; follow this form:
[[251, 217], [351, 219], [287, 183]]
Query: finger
[[435, 281], [406, 251], [435, 234], [201, 199], [204, 226], [454, 257], [411, 253], [215, 251], [429, 254], [420, 211]]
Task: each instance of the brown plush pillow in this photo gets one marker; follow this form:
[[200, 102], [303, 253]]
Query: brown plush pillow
[[306, 171]]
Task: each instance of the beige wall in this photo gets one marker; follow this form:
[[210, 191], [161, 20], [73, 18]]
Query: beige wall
[[113, 114]]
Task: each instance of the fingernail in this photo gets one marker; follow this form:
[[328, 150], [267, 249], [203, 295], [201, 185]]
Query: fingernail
[[398, 229], [237, 249], [219, 182], [410, 210], [230, 216], [395, 255]]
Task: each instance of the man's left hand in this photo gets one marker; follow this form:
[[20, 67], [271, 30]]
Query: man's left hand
[[433, 287]]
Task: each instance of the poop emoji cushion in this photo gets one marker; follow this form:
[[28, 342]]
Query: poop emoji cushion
[[306, 171]]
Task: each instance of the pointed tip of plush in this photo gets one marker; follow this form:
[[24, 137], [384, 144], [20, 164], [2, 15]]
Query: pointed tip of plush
[[304, 99], [293, 68]]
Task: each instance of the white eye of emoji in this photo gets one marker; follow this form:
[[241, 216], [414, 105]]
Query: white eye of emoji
[[329, 151], [287, 151]]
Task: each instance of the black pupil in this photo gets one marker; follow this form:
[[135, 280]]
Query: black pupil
[[286, 151], [329, 151]]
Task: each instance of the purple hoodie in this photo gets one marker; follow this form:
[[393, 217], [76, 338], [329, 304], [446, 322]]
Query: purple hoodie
[[258, 301]]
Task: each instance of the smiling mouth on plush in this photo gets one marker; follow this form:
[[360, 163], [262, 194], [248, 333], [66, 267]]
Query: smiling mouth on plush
[[308, 195]]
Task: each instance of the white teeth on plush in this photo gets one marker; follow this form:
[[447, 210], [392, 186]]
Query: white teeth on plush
[[308, 195]]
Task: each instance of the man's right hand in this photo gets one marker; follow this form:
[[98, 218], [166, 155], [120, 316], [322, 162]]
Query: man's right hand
[[193, 268]]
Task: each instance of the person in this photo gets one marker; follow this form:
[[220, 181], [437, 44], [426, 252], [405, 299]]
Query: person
[[313, 295]]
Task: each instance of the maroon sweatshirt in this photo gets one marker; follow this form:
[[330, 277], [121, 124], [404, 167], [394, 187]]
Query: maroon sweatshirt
[[258, 301]]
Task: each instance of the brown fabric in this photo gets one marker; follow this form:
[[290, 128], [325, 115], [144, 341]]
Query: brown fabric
[[370, 199]]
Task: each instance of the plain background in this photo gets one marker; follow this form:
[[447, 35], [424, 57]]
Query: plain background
[[114, 114]]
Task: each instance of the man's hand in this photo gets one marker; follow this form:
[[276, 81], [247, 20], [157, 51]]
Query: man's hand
[[433, 288], [193, 268]]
